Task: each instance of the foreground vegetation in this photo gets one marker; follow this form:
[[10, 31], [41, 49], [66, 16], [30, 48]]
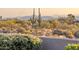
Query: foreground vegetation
[[72, 47], [19, 42]]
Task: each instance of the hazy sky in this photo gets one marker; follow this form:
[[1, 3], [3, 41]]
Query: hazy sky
[[44, 11]]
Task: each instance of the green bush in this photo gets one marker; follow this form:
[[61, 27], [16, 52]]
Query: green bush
[[72, 47], [19, 42]]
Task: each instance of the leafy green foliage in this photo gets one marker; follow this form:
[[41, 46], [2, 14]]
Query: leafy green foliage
[[19, 42], [72, 47]]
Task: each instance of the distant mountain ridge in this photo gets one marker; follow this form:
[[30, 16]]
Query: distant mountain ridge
[[43, 17], [28, 17]]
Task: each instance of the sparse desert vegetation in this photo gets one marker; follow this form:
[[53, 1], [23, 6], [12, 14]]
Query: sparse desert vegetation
[[61, 27], [65, 27]]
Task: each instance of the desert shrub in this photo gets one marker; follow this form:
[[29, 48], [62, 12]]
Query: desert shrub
[[69, 34], [45, 24], [5, 42], [19, 42], [72, 47], [56, 24]]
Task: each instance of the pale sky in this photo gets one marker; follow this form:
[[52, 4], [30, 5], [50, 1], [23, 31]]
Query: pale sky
[[44, 11]]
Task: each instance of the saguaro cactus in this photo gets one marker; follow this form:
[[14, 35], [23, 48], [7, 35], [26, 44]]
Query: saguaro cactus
[[33, 17], [39, 17]]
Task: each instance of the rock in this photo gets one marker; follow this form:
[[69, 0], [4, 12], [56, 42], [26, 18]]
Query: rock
[[58, 32], [76, 34]]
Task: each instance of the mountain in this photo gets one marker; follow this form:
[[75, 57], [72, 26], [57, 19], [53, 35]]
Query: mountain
[[43, 17], [24, 17], [28, 17], [46, 17]]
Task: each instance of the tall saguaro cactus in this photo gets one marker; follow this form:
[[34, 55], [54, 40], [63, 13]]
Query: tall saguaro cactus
[[39, 16], [33, 17], [33, 13]]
